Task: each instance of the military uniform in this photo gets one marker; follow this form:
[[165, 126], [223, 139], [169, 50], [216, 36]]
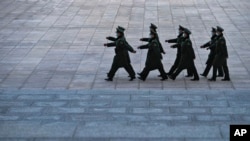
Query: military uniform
[[221, 56], [127, 53], [153, 28], [153, 60], [121, 58], [178, 41], [187, 58], [211, 46]]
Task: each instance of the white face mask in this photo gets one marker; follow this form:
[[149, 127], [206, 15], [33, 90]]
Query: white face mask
[[218, 33], [184, 35]]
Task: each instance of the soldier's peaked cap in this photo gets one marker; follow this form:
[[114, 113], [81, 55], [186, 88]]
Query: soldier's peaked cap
[[220, 29], [213, 29], [120, 29], [153, 26], [187, 31], [181, 27]]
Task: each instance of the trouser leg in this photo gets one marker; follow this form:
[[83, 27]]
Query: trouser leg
[[226, 71], [176, 73], [162, 71], [194, 70], [172, 69], [130, 70], [207, 69], [113, 70], [190, 72], [215, 68], [145, 73], [220, 71], [175, 65]]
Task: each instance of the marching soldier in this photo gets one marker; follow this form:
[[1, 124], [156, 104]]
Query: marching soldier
[[221, 55], [211, 45], [187, 57], [154, 57], [153, 29], [121, 58], [178, 41]]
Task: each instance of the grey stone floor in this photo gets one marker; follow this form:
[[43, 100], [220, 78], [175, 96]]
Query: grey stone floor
[[53, 65], [58, 44]]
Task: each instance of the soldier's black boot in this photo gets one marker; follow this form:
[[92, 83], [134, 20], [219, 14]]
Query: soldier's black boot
[[132, 78], [173, 76], [143, 79], [226, 71], [109, 79], [164, 77], [166, 74], [196, 76]]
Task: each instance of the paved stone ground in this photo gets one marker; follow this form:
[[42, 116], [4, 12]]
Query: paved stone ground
[[53, 65], [58, 44]]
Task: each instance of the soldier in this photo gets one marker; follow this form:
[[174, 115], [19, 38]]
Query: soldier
[[121, 58], [153, 29], [187, 57], [221, 55], [178, 41], [154, 57], [211, 45]]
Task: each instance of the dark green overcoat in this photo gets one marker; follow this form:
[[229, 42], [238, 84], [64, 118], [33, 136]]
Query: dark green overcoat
[[211, 45], [154, 56], [121, 57], [187, 53], [221, 53]]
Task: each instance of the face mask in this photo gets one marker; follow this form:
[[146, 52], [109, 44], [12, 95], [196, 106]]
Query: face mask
[[184, 35], [218, 33]]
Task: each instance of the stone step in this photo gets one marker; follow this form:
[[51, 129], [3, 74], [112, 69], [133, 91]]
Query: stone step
[[178, 115]]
